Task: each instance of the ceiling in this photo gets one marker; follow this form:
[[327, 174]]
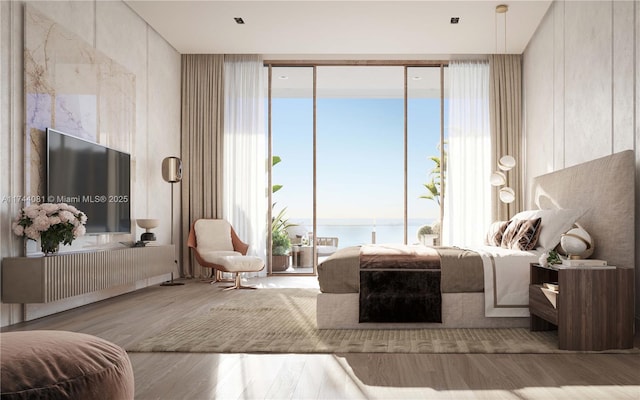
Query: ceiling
[[332, 28]]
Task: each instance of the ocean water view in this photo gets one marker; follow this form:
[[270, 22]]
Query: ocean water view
[[352, 232]]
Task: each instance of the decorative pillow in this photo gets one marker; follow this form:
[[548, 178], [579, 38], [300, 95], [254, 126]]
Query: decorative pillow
[[554, 223], [495, 233], [522, 234], [509, 233]]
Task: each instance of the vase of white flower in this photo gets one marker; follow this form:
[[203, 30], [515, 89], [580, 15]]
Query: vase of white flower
[[51, 224]]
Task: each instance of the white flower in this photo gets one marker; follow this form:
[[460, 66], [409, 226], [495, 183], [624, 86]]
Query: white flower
[[18, 229], [49, 207], [83, 218], [543, 260], [31, 211], [71, 209], [41, 223], [66, 216], [32, 232], [79, 231], [54, 220]]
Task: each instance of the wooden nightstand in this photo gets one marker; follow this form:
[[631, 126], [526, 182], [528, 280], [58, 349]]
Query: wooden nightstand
[[594, 306]]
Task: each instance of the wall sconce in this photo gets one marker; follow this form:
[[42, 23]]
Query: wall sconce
[[499, 178]]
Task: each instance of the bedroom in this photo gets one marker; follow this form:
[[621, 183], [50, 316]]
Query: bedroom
[[580, 90]]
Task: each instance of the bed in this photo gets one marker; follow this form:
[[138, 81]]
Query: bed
[[598, 195]]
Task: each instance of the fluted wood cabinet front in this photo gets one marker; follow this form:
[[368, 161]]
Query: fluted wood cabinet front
[[47, 279]]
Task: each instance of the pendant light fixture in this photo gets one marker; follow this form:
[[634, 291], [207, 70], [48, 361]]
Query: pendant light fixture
[[501, 9]]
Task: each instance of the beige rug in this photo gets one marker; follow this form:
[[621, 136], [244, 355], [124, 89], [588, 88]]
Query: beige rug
[[284, 321]]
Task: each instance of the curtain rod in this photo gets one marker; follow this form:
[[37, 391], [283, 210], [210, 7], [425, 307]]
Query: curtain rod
[[367, 63]]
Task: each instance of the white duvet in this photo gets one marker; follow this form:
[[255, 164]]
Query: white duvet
[[506, 280]]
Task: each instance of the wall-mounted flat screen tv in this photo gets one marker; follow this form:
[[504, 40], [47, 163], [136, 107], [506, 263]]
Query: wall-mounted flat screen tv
[[93, 178]]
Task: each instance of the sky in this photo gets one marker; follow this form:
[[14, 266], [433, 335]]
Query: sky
[[359, 157]]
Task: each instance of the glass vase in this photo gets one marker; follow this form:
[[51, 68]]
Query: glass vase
[[49, 246]]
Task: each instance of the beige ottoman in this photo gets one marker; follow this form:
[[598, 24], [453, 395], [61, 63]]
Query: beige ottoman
[[235, 264], [63, 365]]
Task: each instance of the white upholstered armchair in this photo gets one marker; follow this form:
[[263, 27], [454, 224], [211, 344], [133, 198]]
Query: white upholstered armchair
[[216, 245]]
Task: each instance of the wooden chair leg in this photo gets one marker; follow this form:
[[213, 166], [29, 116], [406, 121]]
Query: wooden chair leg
[[211, 278], [216, 276], [221, 278], [238, 284]]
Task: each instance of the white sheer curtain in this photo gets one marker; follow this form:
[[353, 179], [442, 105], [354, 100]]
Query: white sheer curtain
[[467, 212], [244, 194]]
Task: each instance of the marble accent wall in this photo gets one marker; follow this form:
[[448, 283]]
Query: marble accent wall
[[74, 88], [582, 89], [112, 32]]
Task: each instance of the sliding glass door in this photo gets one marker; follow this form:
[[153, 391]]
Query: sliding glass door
[[292, 169], [360, 154], [357, 156], [426, 153]]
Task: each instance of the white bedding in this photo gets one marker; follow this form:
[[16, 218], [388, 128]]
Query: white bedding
[[506, 298], [506, 280]]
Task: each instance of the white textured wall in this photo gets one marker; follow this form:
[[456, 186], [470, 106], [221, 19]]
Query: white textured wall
[[582, 89], [115, 30]]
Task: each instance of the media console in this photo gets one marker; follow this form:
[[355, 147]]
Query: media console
[[95, 275]]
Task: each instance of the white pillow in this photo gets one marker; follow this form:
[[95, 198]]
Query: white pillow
[[213, 235], [554, 224]]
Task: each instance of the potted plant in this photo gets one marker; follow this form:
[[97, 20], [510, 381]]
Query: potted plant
[[431, 234], [433, 187], [280, 242], [426, 235]]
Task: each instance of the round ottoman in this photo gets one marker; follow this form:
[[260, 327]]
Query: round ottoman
[[63, 365]]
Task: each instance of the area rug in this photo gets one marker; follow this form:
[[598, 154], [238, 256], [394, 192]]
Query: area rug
[[284, 321]]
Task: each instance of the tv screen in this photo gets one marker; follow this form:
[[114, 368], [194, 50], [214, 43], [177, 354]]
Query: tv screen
[[93, 178]]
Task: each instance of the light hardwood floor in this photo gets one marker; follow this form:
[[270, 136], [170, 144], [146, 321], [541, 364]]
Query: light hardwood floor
[[128, 318]]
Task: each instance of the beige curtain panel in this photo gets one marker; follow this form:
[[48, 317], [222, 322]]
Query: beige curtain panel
[[505, 96], [202, 131]]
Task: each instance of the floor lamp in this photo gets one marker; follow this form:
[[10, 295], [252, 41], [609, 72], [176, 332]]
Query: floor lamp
[[172, 173]]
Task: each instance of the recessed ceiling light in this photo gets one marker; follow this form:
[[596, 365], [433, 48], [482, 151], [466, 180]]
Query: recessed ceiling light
[[283, 77], [239, 20], [455, 20], [416, 78]]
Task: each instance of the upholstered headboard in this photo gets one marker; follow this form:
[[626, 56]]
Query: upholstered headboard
[[605, 188]]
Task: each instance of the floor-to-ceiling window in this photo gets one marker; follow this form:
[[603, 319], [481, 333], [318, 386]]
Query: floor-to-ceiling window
[[354, 152], [426, 152], [360, 153], [292, 169]]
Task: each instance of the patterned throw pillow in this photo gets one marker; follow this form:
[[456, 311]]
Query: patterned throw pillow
[[522, 235], [495, 233]]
